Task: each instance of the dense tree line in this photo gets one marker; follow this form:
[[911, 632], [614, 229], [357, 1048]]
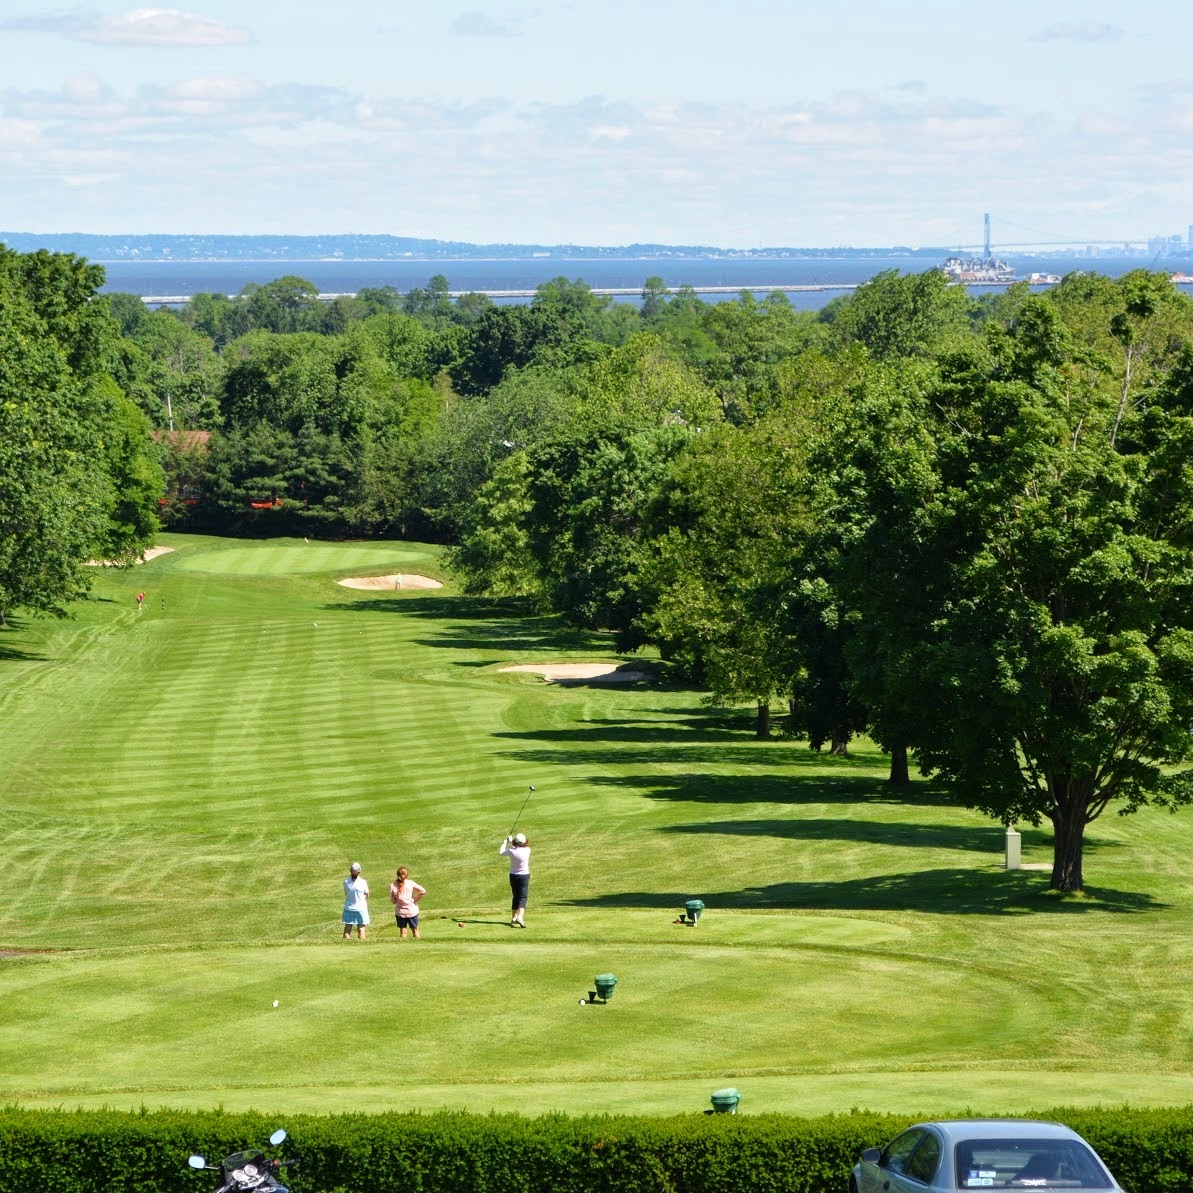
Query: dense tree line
[[78, 478], [963, 527]]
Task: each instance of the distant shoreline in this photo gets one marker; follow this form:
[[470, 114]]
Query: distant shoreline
[[479, 260]]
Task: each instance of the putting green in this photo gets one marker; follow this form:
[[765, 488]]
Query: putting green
[[288, 557], [185, 785]]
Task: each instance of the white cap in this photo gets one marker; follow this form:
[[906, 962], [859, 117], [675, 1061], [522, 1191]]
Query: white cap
[[520, 839], [355, 867]]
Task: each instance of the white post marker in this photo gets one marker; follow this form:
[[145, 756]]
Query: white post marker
[[1014, 849]]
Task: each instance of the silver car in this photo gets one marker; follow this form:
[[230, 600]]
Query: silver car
[[981, 1154]]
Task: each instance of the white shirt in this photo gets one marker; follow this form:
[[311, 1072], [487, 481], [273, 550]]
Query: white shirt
[[356, 894], [519, 856]]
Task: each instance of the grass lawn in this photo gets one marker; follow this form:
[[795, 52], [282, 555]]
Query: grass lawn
[[184, 787]]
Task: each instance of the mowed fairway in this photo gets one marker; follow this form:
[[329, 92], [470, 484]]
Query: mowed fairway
[[184, 787]]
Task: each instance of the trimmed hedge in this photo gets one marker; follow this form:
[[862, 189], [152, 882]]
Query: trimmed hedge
[[1149, 1151]]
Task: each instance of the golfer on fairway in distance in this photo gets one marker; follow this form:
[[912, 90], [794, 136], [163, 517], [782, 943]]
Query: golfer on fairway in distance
[[517, 850], [404, 894], [356, 903]]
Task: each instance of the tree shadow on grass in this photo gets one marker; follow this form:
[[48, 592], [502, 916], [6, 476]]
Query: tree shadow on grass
[[431, 607], [12, 651], [943, 892], [971, 838], [700, 788], [683, 727], [687, 740], [486, 624], [978, 838]]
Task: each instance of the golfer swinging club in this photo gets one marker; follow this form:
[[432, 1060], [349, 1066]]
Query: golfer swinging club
[[517, 850]]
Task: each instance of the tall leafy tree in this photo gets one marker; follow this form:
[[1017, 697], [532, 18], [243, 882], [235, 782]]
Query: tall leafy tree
[[1023, 543], [493, 555], [77, 479], [900, 315], [715, 557]]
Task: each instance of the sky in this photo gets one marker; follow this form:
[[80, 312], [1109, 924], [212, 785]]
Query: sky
[[743, 124]]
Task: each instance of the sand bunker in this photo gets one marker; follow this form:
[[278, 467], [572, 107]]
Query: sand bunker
[[397, 583], [593, 672], [152, 553]]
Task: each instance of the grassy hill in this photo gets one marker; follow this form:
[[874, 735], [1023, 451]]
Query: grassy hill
[[183, 788]]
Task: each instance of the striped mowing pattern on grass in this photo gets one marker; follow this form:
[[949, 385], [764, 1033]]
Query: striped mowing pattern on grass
[[183, 788]]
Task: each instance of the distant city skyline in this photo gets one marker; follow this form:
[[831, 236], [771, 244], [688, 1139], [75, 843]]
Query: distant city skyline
[[760, 123]]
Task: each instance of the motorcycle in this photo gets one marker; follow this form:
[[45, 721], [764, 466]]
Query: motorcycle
[[251, 1170]]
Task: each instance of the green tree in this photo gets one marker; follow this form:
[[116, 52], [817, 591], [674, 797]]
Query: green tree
[[220, 318], [493, 556], [589, 494], [128, 310], [286, 304], [430, 304], [655, 297], [1022, 542], [894, 315], [182, 371], [77, 478], [715, 555]]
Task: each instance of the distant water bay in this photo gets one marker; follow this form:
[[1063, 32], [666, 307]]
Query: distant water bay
[[178, 278]]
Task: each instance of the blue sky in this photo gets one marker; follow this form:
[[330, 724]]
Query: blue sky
[[739, 124]]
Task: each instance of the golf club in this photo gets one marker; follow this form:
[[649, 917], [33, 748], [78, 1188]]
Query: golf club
[[521, 810]]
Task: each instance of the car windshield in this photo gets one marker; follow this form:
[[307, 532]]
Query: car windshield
[[1029, 1164]]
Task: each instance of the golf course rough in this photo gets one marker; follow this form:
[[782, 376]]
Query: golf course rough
[[185, 786]]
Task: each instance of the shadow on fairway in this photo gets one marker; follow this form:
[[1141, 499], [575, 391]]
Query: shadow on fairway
[[945, 892], [736, 789], [441, 608], [684, 729], [677, 731], [12, 653], [970, 838], [980, 838], [485, 624]]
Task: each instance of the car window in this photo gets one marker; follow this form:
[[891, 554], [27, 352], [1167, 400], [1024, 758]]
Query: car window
[[924, 1160], [899, 1150], [1029, 1164]]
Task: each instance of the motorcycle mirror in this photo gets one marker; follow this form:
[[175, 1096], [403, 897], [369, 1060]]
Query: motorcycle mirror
[[279, 1136], [197, 1162]]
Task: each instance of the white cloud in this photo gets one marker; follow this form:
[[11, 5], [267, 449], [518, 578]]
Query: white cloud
[[215, 89], [609, 132], [162, 27], [84, 88], [866, 166], [1077, 31], [81, 181], [475, 23], [50, 22]]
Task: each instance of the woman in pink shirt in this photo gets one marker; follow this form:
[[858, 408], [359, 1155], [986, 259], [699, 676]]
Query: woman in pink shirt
[[404, 894]]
